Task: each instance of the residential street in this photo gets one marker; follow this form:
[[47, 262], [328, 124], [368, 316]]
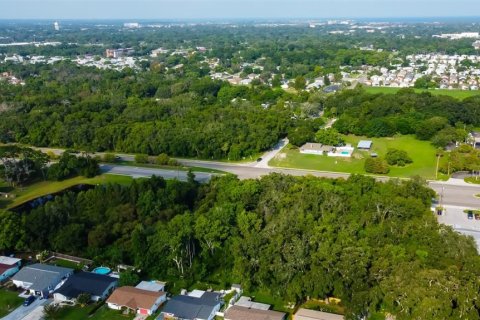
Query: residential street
[[22, 312]]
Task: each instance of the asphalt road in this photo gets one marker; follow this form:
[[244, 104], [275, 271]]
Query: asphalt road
[[138, 172], [456, 193], [462, 195]]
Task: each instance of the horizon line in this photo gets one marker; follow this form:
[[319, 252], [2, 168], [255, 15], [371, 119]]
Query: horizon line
[[247, 18]]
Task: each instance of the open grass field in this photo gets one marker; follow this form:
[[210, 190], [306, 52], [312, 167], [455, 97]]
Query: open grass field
[[422, 153], [458, 94], [41, 188], [9, 301]]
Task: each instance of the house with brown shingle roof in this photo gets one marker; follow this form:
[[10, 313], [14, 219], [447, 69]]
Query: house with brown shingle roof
[[244, 313], [140, 301]]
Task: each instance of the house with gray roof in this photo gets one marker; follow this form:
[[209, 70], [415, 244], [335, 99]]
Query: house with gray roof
[[41, 279], [364, 145], [155, 286], [98, 286], [197, 305], [315, 148]]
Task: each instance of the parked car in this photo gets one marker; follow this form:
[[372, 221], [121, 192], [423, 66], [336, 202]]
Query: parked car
[[28, 301], [259, 159], [477, 216], [470, 215]]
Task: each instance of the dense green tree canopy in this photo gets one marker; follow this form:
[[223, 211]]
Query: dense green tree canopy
[[375, 245]]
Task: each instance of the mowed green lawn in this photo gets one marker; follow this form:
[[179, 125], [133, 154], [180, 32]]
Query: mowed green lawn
[[459, 94], [422, 153], [79, 313], [9, 301]]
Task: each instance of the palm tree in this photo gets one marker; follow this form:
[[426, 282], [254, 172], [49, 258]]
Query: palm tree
[[52, 311]]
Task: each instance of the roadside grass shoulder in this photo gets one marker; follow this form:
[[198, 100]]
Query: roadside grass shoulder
[[41, 188], [472, 180], [422, 153]]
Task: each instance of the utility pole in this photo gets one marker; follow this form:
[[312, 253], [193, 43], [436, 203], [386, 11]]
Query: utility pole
[[436, 171]]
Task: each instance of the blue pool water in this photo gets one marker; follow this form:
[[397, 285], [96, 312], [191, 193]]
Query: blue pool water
[[102, 270], [345, 152]]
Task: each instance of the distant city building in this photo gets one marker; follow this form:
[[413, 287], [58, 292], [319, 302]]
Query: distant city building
[[455, 36], [56, 25], [118, 53], [131, 25], [155, 53]]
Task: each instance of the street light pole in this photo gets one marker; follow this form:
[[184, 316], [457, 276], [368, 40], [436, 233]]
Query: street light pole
[[436, 171]]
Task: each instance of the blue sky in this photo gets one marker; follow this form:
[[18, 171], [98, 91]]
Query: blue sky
[[228, 9]]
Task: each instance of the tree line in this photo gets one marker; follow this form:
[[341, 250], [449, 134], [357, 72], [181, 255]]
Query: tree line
[[441, 119]]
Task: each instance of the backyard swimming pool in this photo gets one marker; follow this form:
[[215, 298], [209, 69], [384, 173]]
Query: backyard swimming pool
[[102, 270]]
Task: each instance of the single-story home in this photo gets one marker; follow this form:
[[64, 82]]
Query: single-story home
[[247, 302], [98, 286], [243, 313], [197, 305], [155, 286], [8, 267], [41, 279], [140, 301], [331, 88], [315, 148], [306, 314], [364, 145]]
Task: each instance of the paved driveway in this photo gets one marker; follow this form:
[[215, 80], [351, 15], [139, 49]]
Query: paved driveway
[[22, 312], [269, 155]]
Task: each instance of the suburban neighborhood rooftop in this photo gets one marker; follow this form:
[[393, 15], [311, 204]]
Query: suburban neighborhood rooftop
[[9, 260], [243, 313], [85, 282], [306, 314], [134, 298]]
